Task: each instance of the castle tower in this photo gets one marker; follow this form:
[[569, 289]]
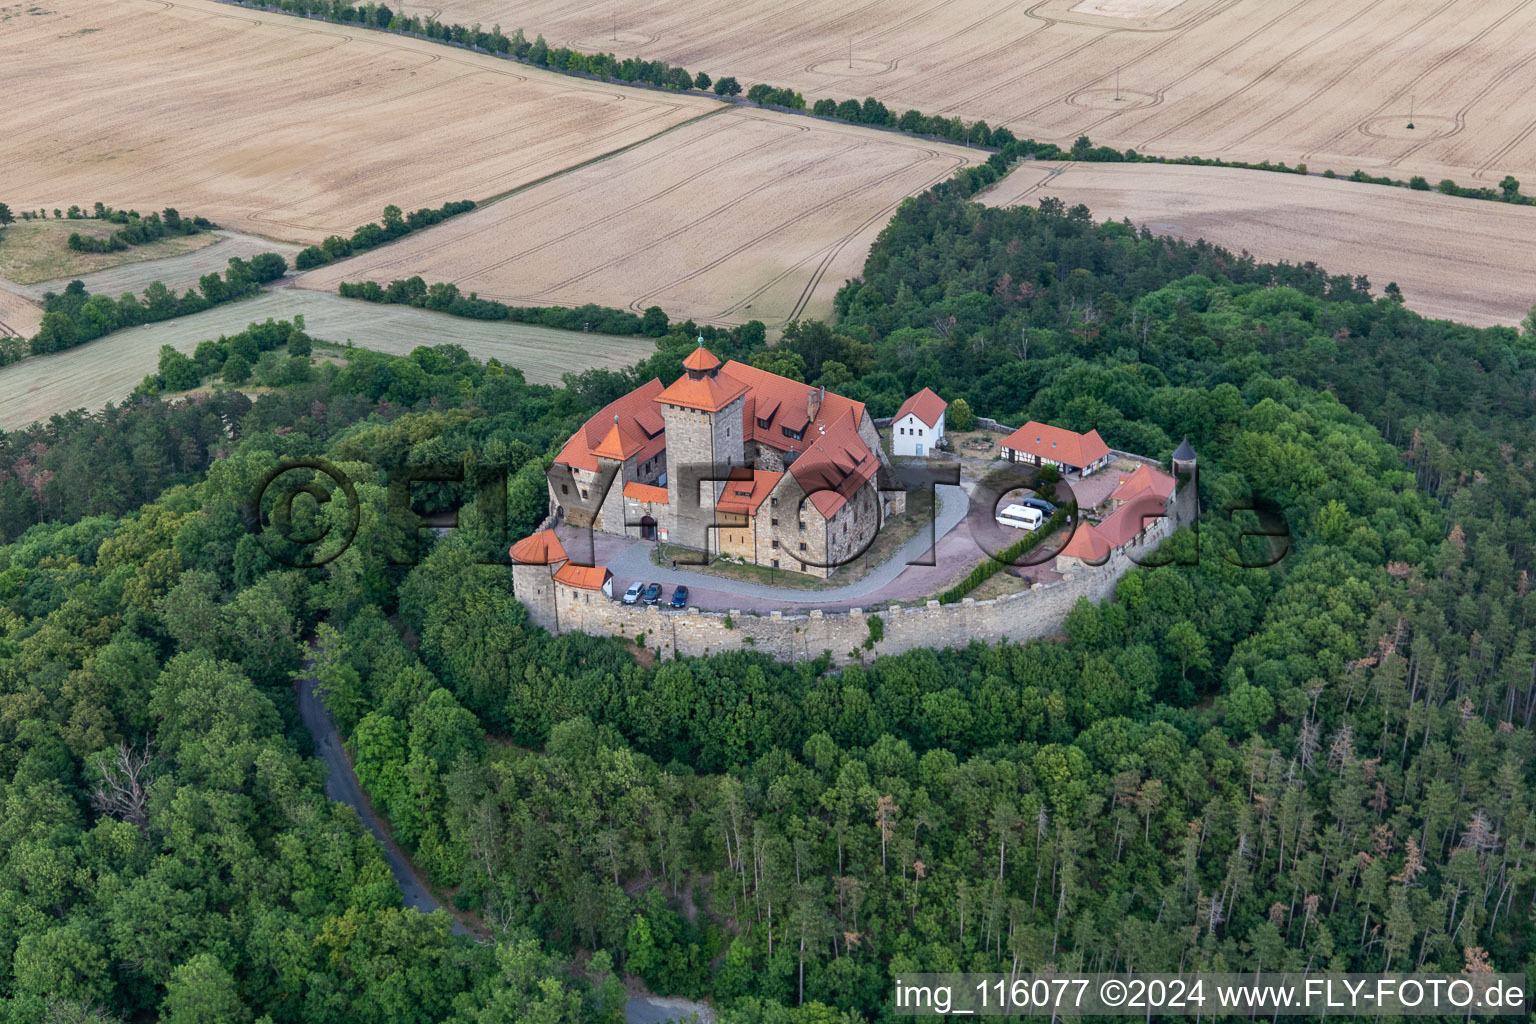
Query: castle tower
[[1184, 465], [1184, 458], [534, 562], [702, 410]]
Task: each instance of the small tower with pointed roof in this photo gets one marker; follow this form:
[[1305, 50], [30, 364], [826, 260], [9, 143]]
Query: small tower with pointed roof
[[535, 560], [705, 440], [1184, 458]]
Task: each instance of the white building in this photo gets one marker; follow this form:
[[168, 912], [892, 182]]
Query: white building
[[919, 424]]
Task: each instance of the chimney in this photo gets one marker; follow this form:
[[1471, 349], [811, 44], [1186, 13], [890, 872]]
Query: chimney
[[813, 402]]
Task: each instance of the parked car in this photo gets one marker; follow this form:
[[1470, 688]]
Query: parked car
[[652, 593], [1045, 507], [1021, 517], [680, 597], [633, 593]]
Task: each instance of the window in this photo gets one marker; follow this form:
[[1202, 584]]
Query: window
[[727, 431], [583, 493], [773, 503], [775, 563], [802, 526], [763, 424], [775, 545], [793, 435], [774, 521], [565, 489], [802, 545]]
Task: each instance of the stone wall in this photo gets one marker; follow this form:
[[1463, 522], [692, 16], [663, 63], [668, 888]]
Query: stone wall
[[1034, 613]]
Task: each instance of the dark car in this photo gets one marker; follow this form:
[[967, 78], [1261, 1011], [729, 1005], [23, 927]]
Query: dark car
[[1045, 507], [680, 597], [652, 593]]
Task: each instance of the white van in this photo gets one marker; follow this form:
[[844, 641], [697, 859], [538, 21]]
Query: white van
[[1021, 517]]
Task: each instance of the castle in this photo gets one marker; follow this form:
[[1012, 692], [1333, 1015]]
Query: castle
[[731, 460]]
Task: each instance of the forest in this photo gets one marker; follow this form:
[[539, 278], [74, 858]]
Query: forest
[[1325, 762]]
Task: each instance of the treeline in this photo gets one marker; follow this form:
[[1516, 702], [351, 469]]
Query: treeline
[[239, 359], [136, 230], [76, 316], [444, 297], [871, 111], [394, 225]]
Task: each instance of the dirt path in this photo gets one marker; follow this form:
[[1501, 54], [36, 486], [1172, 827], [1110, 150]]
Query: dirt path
[[341, 785]]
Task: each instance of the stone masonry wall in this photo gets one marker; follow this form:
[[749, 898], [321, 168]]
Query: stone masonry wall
[[1034, 613]]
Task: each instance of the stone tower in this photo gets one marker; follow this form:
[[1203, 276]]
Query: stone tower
[[1184, 465], [534, 562], [702, 410], [1184, 458]]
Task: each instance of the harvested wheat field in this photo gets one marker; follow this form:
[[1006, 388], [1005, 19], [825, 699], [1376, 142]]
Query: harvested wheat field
[[282, 126], [745, 215], [1333, 83], [19, 316], [109, 368], [1454, 258]]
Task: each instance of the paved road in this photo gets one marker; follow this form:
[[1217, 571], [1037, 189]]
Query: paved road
[[342, 785], [635, 563]]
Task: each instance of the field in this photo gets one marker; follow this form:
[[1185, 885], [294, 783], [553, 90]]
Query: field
[[32, 251], [1333, 83], [18, 315], [177, 272], [1454, 258], [744, 215], [280, 126], [107, 369]]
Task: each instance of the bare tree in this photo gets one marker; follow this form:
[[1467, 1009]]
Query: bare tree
[[70, 1011], [121, 791]]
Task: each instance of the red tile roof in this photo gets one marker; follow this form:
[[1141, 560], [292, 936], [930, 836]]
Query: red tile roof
[[639, 430], [701, 358], [925, 405], [645, 492], [830, 459], [786, 403], [1057, 444], [1087, 544], [704, 386], [583, 577], [1122, 525], [746, 489], [834, 466], [1145, 480], [543, 548]]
